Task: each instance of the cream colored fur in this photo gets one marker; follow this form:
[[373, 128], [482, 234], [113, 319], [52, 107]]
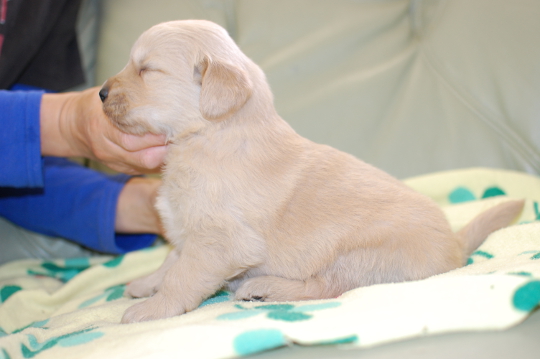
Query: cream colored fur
[[249, 203]]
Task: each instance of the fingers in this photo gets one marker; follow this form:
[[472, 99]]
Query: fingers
[[74, 125], [148, 160], [130, 153], [146, 152]]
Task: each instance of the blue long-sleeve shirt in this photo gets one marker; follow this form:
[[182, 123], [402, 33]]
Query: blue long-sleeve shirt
[[51, 195]]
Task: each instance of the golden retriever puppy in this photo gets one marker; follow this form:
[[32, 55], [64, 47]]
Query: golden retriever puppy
[[248, 202]]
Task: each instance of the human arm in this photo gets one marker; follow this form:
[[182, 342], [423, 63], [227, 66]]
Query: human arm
[[62, 125], [20, 153], [99, 211], [125, 207]]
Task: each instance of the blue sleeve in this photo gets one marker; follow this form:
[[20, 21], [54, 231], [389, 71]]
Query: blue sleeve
[[20, 145], [54, 196], [76, 203]]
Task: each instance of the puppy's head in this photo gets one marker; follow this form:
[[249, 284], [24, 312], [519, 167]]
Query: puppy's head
[[181, 75]]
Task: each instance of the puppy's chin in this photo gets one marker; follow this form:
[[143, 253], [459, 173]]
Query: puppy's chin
[[127, 127], [121, 116]]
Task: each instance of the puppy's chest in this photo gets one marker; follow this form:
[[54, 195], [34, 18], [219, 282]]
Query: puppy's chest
[[197, 189], [192, 194]]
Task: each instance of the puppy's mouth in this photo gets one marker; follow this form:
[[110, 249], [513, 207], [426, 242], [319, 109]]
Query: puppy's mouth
[[116, 109]]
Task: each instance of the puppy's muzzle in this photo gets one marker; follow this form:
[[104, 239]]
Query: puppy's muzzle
[[104, 93]]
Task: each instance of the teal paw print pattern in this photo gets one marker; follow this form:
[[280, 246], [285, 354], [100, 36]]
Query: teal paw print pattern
[[115, 262], [485, 256], [7, 291], [535, 254], [521, 273], [460, 195], [258, 340], [536, 211], [40, 324], [281, 312], [34, 347], [479, 254], [527, 297], [220, 297], [65, 272], [493, 192], [109, 295], [463, 194], [4, 354]]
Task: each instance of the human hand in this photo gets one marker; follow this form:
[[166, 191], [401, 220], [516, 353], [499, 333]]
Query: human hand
[[74, 125]]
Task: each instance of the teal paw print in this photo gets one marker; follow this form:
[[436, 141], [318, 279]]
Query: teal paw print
[[527, 297], [7, 291], [463, 194], [34, 347], [219, 297], [480, 254], [535, 254], [109, 295], [65, 272], [258, 340], [39, 324], [115, 262], [282, 312]]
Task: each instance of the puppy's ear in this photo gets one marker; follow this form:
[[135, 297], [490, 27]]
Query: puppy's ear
[[225, 88]]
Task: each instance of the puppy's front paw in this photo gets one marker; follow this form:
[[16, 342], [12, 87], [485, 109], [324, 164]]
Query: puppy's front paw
[[141, 287], [156, 307], [260, 289]]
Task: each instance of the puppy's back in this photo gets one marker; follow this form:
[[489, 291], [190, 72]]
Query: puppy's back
[[343, 213]]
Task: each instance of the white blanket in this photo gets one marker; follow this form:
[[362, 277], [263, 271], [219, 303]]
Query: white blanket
[[72, 308]]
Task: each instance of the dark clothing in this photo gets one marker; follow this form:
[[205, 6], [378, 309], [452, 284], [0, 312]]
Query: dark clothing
[[39, 46]]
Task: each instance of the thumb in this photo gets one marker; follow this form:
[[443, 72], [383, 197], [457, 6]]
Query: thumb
[[133, 143], [151, 158]]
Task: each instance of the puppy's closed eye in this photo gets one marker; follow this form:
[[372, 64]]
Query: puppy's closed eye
[[142, 70], [148, 69]]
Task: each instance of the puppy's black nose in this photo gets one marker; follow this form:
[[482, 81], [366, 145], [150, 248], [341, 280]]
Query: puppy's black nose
[[103, 94]]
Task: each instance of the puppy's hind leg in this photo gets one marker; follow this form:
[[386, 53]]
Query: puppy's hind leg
[[148, 285], [278, 289]]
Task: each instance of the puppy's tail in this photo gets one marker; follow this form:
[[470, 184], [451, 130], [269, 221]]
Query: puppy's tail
[[474, 233]]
